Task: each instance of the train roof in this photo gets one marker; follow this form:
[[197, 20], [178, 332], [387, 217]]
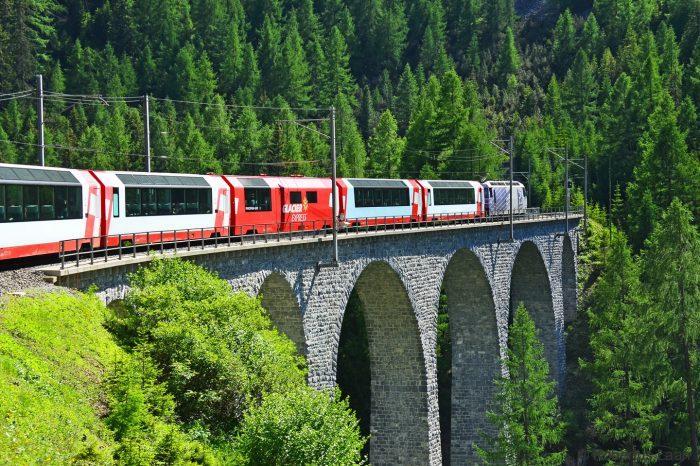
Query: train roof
[[375, 183], [299, 182], [161, 180], [23, 174], [502, 183], [450, 183]]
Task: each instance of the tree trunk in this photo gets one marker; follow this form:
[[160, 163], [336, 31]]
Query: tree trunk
[[688, 375], [690, 395]]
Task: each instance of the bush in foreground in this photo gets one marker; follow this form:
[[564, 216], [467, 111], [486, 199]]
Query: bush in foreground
[[303, 426]]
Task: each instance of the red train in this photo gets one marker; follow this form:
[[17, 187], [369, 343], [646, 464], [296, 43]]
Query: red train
[[41, 207]]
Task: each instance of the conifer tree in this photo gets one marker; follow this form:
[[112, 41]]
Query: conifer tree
[[564, 42], [337, 79], [669, 65], [591, 37], [509, 59], [249, 82], [293, 71], [672, 280], [270, 54], [367, 115], [625, 398], [352, 156], [8, 153], [94, 155], [527, 414], [286, 146], [667, 169], [582, 92], [232, 61], [317, 68], [386, 148], [406, 95], [251, 141]]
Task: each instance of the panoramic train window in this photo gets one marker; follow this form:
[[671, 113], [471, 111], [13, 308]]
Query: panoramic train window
[[311, 197], [30, 203], [295, 197], [142, 202], [381, 197], [454, 196], [258, 200]]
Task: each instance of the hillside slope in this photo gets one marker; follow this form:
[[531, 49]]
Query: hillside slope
[[53, 354]]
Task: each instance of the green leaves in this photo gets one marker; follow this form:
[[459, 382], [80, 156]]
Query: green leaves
[[212, 360], [301, 427], [526, 415]]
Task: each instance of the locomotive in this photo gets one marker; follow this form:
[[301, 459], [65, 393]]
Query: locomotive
[[41, 208]]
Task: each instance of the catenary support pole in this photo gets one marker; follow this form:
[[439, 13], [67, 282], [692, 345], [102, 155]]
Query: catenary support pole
[[585, 192], [334, 191], [529, 179], [147, 132], [566, 191], [511, 150], [40, 118]]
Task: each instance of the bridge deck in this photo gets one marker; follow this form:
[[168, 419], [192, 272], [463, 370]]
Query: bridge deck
[[131, 256]]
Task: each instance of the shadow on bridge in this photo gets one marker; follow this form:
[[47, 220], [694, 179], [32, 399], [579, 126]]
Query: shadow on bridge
[[468, 357], [386, 379]]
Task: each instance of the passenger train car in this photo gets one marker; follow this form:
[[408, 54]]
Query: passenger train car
[[45, 209]]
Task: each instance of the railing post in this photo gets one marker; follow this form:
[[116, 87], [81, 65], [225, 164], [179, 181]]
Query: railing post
[[148, 242], [175, 240], [162, 242], [202, 233], [92, 253], [119, 247], [62, 252], [77, 254], [133, 244]]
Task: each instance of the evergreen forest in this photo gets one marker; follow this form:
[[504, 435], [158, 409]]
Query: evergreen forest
[[420, 89]]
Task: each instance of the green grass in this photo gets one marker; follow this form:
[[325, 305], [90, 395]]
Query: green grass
[[53, 356]]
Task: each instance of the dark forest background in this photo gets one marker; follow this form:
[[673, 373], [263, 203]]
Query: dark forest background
[[421, 89]]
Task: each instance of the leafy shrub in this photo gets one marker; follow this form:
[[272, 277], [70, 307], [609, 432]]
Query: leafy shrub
[[217, 351], [142, 419], [301, 427]]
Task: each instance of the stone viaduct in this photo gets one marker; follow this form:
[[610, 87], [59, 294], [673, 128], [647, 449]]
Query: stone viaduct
[[398, 277]]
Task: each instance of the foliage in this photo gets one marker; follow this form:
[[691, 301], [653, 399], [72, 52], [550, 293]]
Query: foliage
[[300, 427], [526, 415], [143, 421], [625, 398], [71, 395], [216, 351], [211, 359], [53, 355], [672, 282]]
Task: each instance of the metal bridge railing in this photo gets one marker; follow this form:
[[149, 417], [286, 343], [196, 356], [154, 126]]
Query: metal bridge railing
[[116, 247]]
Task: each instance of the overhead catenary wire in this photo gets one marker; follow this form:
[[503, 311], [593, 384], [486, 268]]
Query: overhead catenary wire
[[252, 107]]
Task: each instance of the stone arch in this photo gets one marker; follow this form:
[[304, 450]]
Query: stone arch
[[281, 302], [475, 356], [398, 389], [530, 285], [568, 280]]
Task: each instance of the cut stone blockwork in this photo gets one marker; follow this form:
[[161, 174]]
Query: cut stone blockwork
[[399, 408], [281, 302], [475, 355], [405, 417]]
